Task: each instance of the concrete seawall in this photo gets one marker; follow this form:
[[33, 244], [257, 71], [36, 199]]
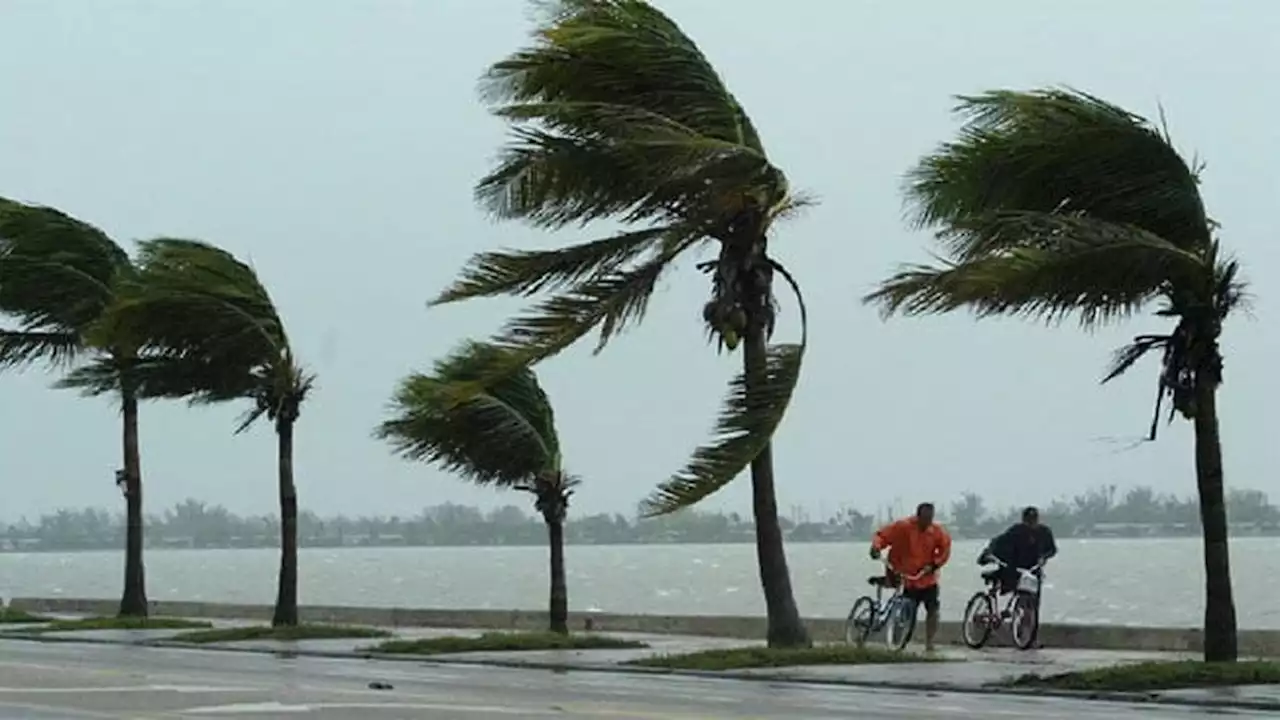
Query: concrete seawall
[[1253, 643]]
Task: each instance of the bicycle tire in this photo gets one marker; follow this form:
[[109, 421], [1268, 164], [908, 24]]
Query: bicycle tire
[[901, 624], [973, 637], [1024, 607], [856, 633]]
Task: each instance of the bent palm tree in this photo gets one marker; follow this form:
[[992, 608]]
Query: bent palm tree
[[1054, 203], [503, 436], [217, 336], [615, 113], [58, 275]]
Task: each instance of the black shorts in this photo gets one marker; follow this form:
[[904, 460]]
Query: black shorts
[[927, 596]]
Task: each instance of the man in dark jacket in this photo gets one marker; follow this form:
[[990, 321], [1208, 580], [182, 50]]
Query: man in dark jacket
[[1024, 545]]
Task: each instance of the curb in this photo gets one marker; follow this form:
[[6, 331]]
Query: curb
[[1131, 698]]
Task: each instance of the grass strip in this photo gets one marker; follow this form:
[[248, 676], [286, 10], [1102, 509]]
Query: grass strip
[[306, 631], [765, 657], [1159, 675]]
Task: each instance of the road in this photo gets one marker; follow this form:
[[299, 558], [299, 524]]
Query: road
[[41, 681]]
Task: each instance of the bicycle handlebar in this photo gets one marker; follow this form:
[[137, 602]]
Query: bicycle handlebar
[[1029, 571], [895, 571]]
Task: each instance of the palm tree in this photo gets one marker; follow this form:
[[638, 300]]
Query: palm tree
[[615, 113], [502, 436], [1053, 203], [57, 277], [217, 336]]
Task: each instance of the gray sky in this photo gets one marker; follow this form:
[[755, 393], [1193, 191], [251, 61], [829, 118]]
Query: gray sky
[[335, 145]]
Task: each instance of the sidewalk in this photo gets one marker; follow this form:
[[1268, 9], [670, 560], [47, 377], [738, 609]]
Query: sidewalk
[[972, 671]]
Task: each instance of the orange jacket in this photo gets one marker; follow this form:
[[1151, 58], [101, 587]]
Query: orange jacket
[[911, 548]]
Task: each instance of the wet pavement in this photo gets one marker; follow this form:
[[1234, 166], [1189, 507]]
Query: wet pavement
[[48, 681], [971, 671]]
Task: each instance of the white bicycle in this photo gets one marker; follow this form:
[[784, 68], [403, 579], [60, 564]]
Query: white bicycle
[[896, 616]]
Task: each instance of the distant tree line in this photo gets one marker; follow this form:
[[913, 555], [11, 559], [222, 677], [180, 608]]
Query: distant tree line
[[1100, 512]]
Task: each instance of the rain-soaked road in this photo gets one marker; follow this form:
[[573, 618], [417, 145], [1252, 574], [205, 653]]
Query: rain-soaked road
[[46, 681]]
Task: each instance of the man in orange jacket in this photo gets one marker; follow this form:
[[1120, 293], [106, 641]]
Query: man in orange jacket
[[917, 546]]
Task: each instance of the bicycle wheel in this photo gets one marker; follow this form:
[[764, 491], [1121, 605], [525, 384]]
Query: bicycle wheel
[[1025, 624], [861, 619], [977, 621], [901, 625]]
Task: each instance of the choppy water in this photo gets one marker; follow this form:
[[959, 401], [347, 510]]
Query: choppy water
[[1124, 582]]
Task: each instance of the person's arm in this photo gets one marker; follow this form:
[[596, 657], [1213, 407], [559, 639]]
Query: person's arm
[[1001, 546], [1050, 546], [943, 552], [883, 538], [989, 550]]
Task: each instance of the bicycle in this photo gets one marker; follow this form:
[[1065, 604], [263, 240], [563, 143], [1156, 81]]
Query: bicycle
[[896, 616], [981, 619]]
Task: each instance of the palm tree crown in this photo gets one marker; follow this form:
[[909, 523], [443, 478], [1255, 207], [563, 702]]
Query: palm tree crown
[[57, 277], [215, 325], [1053, 203], [504, 435], [615, 113]]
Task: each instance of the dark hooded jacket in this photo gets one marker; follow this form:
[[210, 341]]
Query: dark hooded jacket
[[1023, 546]]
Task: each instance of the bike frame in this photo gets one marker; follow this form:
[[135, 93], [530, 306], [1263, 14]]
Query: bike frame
[[883, 610], [993, 591]]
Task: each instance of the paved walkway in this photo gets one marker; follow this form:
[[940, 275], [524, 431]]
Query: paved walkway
[[973, 671], [56, 681]]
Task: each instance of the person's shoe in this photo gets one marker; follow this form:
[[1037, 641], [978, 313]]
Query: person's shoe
[[930, 648]]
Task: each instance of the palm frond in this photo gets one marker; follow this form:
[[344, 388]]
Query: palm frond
[[503, 434], [278, 388], [611, 302], [99, 376], [529, 272], [1059, 264], [195, 299], [251, 416], [1230, 290], [1126, 357], [616, 112], [159, 378], [208, 331], [793, 206], [623, 53], [752, 412], [19, 349], [552, 180], [1055, 150], [56, 273]]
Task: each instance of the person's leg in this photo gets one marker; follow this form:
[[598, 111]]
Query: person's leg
[[932, 608], [1008, 583]]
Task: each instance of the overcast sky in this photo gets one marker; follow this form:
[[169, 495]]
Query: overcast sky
[[335, 145]]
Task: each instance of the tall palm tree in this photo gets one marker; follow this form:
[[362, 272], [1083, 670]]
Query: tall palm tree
[[1054, 203], [58, 275], [615, 113], [502, 436], [217, 336]]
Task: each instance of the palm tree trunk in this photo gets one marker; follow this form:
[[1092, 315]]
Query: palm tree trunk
[[286, 612], [1219, 607], [133, 602], [786, 629], [559, 611]]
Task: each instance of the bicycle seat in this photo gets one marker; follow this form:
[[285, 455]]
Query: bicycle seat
[[880, 581]]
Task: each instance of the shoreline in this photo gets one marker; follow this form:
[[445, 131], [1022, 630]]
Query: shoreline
[[542, 544]]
